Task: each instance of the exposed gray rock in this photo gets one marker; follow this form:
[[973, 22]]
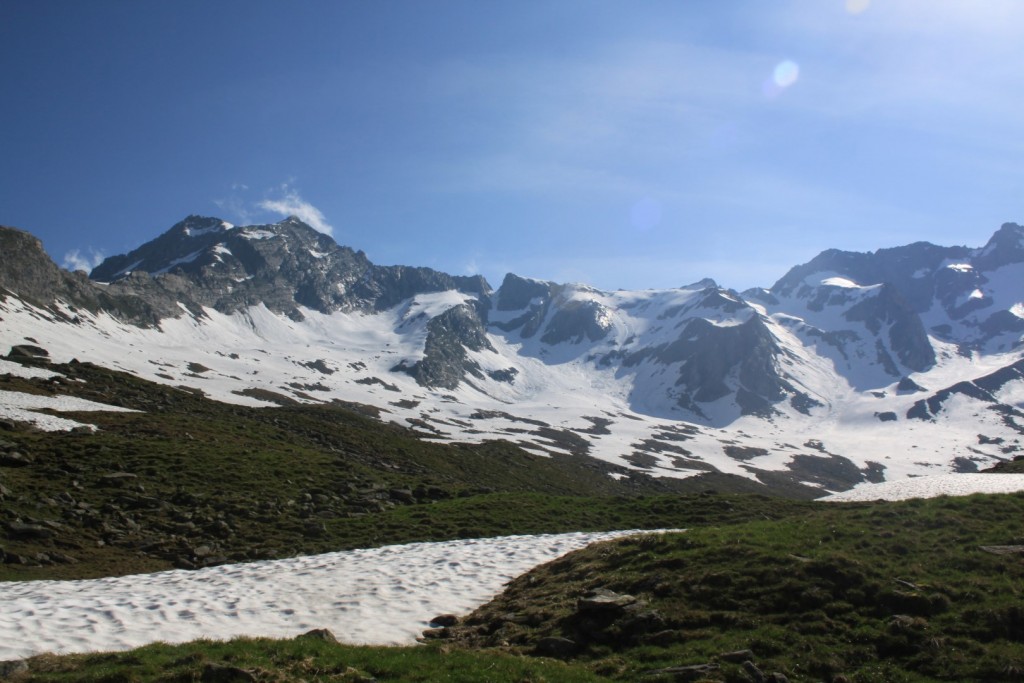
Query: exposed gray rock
[[445, 363], [320, 634]]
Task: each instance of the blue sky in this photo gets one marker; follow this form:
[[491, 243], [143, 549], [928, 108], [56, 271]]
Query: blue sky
[[623, 144]]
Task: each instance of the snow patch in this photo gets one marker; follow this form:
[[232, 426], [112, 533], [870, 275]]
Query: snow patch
[[961, 267], [192, 232], [18, 370], [379, 596], [932, 486], [250, 234], [189, 258], [840, 282], [21, 407]]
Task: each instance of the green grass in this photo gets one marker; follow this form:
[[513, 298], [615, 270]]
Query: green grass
[[829, 593], [818, 592], [257, 483], [301, 659]]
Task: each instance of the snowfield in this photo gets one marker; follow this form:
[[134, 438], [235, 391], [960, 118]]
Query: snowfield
[[930, 487], [351, 356], [381, 596]]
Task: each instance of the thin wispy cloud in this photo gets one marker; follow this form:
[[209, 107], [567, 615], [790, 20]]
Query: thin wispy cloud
[[291, 204], [86, 260]]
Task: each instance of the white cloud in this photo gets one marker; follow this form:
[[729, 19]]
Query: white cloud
[[291, 204], [76, 260]]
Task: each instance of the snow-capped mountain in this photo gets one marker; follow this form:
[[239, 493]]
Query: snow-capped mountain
[[851, 367]]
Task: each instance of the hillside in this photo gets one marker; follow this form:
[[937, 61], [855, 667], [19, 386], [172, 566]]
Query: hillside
[[853, 367]]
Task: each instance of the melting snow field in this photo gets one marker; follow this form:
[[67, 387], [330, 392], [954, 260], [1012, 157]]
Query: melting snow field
[[930, 487], [379, 596]]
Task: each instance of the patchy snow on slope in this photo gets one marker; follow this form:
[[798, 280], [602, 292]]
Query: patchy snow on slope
[[931, 487], [27, 372], [21, 407], [188, 258], [350, 356], [840, 282], [380, 596]]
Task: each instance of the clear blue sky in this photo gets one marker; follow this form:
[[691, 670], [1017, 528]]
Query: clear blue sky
[[624, 144]]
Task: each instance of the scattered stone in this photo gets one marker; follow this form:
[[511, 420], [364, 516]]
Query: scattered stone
[[737, 657], [220, 673], [15, 459], [28, 352], [560, 648], [1003, 549], [692, 672], [436, 634], [403, 495], [444, 620], [604, 600], [23, 530], [117, 478], [13, 667], [756, 674], [319, 634]]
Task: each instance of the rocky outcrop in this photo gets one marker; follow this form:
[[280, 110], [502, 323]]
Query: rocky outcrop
[[716, 360], [284, 266], [445, 362]]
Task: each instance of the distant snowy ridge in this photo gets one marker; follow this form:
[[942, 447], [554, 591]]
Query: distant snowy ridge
[[817, 381]]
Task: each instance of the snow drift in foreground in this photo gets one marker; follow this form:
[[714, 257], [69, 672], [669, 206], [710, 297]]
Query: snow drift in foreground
[[382, 596], [930, 487]]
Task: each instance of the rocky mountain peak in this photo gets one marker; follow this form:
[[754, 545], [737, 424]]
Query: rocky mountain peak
[[1006, 246]]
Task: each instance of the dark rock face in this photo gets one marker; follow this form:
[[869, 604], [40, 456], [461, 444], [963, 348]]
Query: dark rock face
[[574, 322], [897, 267], [949, 282], [982, 389], [1006, 246], [906, 336], [27, 270], [204, 262], [710, 355], [445, 362]]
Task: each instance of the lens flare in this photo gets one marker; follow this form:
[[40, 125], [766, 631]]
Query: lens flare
[[785, 74], [857, 6]]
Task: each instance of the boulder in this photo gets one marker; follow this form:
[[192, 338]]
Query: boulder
[[319, 634], [603, 600], [559, 648], [12, 668], [220, 673]]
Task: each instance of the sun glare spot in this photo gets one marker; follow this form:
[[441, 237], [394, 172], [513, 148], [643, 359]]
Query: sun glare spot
[[857, 6], [785, 74]]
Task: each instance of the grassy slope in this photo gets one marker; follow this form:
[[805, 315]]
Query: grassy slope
[[192, 482], [870, 592], [816, 591], [851, 592]]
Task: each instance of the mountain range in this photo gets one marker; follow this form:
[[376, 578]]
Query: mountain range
[[852, 367]]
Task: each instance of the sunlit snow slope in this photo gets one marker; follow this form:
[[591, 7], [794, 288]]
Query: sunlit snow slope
[[852, 368]]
